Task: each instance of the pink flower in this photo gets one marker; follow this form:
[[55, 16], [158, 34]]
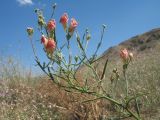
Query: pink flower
[[64, 20], [124, 54], [51, 45], [44, 40], [51, 25], [73, 25]]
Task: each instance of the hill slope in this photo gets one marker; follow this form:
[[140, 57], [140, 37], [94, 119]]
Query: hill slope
[[138, 44], [143, 73]]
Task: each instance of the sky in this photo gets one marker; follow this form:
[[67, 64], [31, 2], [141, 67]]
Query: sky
[[123, 18]]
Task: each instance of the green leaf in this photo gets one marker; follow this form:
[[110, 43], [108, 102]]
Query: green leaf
[[104, 69]]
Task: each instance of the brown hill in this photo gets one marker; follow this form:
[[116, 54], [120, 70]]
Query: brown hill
[[139, 44], [142, 73], [144, 44]]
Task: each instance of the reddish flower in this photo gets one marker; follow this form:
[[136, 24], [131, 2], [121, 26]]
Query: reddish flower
[[73, 25], [64, 20], [51, 25], [51, 45], [44, 40], [124, 54]]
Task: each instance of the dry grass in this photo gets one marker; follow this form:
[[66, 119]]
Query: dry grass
[[43, 100], [23, 96]]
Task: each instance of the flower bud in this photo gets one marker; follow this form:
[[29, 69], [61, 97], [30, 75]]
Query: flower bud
[[115, 70], [51, 25], [104, 26], [124, 54], [88, 37], [36, 10], [41, 20], [60, 56], [51, 45], [54, 5], [30, 31], [76, 59], [44, 40], [131, 56], [64, 20], [72, 26]]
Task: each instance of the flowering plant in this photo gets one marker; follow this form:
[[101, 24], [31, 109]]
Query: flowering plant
[[65, 73]]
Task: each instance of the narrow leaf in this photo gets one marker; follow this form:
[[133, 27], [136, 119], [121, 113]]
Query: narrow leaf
[[104, 69]]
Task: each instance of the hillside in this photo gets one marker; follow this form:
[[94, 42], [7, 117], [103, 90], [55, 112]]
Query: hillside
[[143, 72], [138, 44]]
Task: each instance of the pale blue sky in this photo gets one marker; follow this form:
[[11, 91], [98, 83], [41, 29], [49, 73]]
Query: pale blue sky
[[124, 19]]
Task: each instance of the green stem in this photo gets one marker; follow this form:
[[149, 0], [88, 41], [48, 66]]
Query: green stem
[[54, 7], [99, 44], [69, 56], [135, 116], [113, 101], [33, 48], [86, 46], [137, 106], [125, 77]]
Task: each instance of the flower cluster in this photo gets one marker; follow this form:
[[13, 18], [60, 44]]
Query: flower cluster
[[49, 40], [73, 24]]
